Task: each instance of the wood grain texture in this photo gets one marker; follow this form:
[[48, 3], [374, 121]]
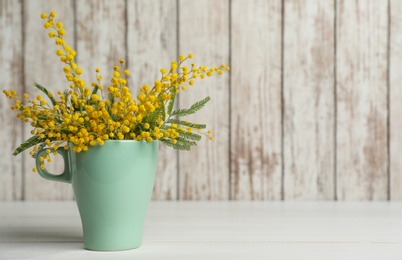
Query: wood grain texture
[[152, 44], [42, 65], [362, 29], [204, 31], [320, 124], [395, 98], [11, 78], [308, 91], [101, 37], [256, 100]]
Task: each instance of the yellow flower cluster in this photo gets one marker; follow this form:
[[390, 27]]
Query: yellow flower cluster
[[83, 117]]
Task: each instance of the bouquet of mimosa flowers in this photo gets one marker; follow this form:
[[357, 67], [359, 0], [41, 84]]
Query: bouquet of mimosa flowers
[[87, 115]]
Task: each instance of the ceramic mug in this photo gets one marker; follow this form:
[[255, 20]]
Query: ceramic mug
[[112, 185]]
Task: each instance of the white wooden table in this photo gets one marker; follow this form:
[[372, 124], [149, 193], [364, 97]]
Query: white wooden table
[[215, 230]]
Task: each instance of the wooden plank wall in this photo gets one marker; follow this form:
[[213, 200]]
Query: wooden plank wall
[[362, 99], [308, 94], [256, 104], [310, 110]]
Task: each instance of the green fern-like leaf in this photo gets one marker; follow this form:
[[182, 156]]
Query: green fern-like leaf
[[181, 144], [185, 123], [27, 144], [152, 117], [194, 108], [111, 98], [190, 136], [177, 146], [184, 141], [114, 117], [42, 117], [66, 94], [95, 89], [171, 102], [44, 90]]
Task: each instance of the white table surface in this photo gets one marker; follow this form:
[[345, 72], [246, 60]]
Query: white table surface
[[215, 230]]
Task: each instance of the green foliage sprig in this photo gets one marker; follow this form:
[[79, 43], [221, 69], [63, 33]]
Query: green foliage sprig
[[82, 117]]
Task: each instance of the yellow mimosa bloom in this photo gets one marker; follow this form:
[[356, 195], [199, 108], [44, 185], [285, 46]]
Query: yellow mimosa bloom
[[81, 116]]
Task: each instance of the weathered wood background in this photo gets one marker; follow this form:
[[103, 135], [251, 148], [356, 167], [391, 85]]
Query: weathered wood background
[[311, 109]]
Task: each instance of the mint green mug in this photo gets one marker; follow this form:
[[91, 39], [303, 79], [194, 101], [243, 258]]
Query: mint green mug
[[112, 185]]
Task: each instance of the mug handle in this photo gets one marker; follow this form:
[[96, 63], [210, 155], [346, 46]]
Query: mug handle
[[64, 177]]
